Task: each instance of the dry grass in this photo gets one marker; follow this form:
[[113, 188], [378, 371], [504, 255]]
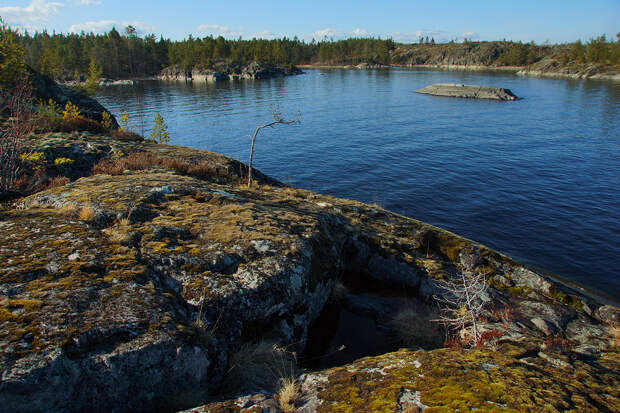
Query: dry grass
[[58, 181], [288, 394], [615, 338], [68, 209], [125, 135], [413, 327], [80, 123], [87, 213], [138, 161], [257, 367], [118, 236]]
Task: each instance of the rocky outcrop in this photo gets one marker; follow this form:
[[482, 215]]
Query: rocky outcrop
[[550, 67], [133, 289], [227, 72], [468, 91], [481, 54], [45, 88]]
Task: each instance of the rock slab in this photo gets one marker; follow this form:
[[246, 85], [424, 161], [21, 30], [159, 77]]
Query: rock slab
[[468, 91]]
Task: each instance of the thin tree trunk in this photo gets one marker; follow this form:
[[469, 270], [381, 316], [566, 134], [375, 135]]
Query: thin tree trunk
[[252, 155]]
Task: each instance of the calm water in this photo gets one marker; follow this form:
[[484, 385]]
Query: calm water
[[538, 179]]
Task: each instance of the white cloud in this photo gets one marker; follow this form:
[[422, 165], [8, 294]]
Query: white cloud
[[440, 36], [31, 16], [361, 33], [86, 2], [471, 35], [265, 34], [405, 37], [103, 26], [217, 30], [327, 33]]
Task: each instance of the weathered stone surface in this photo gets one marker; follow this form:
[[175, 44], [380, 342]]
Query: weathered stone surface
[[515, 377], [130, 292], [468, 91]]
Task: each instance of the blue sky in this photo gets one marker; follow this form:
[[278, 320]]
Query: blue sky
[[541, 20]]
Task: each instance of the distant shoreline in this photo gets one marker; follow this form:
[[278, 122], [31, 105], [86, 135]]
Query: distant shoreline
[[517, 70]]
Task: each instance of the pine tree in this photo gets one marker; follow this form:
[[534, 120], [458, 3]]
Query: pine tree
[[160, 129], [92, 82]]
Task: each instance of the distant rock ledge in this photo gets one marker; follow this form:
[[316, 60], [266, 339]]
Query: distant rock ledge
[[227, 72], [468, 91]]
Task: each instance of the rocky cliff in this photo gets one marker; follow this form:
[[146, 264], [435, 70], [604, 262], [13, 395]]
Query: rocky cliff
[[227, 72], [543, 61], [137, 287]]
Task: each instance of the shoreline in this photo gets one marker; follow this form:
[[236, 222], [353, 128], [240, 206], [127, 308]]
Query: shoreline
[[517, 70]]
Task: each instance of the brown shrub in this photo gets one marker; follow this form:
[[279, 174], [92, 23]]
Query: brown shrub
[[489, 336], [202, 170], [557, 343], [135, 161], [80, 123], [179, 165], [126, 135], [107, 167], [138, 161], [58, 181]]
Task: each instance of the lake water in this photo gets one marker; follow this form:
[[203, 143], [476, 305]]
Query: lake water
[[537, 179]]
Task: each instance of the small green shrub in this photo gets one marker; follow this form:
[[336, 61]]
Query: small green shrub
[[125, 120], [63, 164], [159, 133], [106, 120], [70, 112]]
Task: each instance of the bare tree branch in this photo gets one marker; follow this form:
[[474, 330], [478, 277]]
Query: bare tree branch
[[277, 120], [462, 300]]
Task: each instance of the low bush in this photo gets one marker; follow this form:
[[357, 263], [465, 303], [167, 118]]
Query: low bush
[[126, 135], [58, 181], [138, 161], [79, 123]]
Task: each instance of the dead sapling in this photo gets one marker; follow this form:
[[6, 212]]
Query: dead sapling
[[17, 103], [461, 303], [277, 120]]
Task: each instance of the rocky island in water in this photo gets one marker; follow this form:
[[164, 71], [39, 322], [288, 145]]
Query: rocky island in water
[[151, 278], [468, 91]]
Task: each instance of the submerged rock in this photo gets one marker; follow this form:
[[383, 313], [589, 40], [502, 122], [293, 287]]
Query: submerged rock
[[468, 91]]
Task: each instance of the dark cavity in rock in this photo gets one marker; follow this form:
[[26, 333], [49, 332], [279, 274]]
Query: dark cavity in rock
[[366, 317]]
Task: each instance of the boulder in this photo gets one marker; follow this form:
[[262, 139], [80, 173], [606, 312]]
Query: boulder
[[468, 91]]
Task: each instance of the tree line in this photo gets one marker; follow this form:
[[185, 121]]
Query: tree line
[[69, 56], [120, 55]]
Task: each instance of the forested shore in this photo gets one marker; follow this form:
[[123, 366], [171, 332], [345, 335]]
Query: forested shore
[[125, 54]]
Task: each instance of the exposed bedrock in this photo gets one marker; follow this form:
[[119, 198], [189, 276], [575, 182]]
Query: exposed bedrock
[[132, 292]]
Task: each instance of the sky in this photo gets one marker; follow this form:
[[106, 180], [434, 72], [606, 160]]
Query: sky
[[542, 21]]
